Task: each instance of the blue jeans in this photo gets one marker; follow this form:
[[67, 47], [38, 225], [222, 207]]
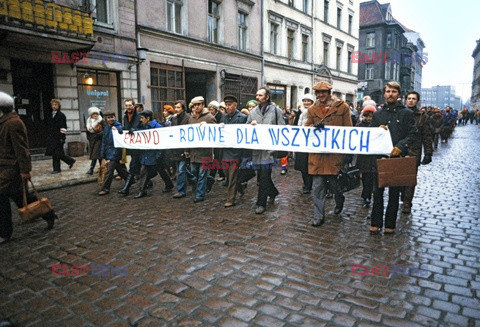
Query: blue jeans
[[182, 177], [201, 174]]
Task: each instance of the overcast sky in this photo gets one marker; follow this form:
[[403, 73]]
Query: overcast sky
[[449, 30]]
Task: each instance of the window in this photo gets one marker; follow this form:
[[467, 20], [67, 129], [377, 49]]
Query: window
[[290, 43], [167, 85], [305, 6], [368, 71], [174, 16], [279, 94], [339, 18], [273, 38], [325, 53], [213, 19], [388, 68], [395, 70], [242, 31], [370, 40], [291, 3], [325, 11], [350, 24], [349, 62], [388, 43], [339, 57], [102, 11], [304, 47]]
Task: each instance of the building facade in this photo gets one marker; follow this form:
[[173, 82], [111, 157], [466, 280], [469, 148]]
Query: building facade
[[308, 41], [441, 97], [475, 99], [199, 48], [386, 54], [76, 51]]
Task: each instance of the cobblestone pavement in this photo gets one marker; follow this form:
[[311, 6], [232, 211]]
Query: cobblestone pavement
[[204, 265]]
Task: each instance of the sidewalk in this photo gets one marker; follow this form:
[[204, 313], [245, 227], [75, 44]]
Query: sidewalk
[[43, 180]]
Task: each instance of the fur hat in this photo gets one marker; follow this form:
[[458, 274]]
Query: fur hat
[[368, 108], [308, 96], [93, 110], [214, 104]]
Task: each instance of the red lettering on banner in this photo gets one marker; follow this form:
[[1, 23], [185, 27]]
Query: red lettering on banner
[[156, 137], [138, 139], [147, 136]]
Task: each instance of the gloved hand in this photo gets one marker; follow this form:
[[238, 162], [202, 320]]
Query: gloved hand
[[426, 160], [319, 125], [396, 152], [384, 127]]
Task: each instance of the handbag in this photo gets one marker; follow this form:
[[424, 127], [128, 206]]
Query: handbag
[[36, 209], [349, 178], [102, 171]]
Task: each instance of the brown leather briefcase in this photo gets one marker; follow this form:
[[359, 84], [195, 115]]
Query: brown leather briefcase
[[397, 171]]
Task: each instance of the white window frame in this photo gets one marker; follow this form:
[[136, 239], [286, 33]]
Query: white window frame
[[242, 31], [210, 30], [173, 16], [370, 41], [108, 5], [388, 68], [274, 40], [369, 71]]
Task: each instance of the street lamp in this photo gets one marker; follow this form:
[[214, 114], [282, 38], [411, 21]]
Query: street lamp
[[141, 57]]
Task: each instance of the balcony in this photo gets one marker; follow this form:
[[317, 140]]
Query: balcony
[[46, 25]]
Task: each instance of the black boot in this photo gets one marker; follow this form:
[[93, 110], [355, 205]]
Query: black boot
[[126, 188], [92, 167], [143, 187]]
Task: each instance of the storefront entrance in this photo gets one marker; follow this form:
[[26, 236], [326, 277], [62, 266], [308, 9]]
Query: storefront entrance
[[33, 90]]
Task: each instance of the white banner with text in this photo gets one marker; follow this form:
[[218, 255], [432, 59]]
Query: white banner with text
[[331, 139]]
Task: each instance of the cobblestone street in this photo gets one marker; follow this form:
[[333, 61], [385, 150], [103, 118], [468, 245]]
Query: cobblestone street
[[204, 265]]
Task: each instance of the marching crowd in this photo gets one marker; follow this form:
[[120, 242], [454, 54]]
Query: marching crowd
[[413, 130]]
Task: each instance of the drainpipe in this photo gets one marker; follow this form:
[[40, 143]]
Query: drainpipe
[[313, 46], [262, 52], [139, 92]]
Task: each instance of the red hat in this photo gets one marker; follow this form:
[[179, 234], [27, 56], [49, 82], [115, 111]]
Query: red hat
[[169, 109], [371, 109]]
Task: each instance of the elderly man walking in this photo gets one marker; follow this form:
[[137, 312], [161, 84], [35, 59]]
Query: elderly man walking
[[326, 111]]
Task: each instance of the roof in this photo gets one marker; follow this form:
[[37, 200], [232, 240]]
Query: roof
[[373, 12]]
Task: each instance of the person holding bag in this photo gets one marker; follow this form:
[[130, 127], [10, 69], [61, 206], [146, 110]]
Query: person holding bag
[[15, 167]]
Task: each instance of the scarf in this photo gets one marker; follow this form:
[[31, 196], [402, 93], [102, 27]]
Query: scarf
[[91, 123]]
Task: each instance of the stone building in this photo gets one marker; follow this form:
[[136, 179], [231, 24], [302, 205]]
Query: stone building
[[76, 51], [475, 100]]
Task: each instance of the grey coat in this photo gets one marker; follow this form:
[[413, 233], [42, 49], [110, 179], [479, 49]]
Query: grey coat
[[270, 118]]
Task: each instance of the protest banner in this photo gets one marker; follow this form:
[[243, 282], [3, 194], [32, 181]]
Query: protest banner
[[331, 139]]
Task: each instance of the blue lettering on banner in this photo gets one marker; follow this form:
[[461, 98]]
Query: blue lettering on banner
[[316, 132], [297, 130], [190, 132], [364, 145], [182, 135], [275, 138], [334, 138], [285, 136], [326, 129], [220, 135], [350, 140], [201, 133], [307, 134]]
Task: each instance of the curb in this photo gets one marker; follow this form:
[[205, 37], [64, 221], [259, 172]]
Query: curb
[[67, 183]]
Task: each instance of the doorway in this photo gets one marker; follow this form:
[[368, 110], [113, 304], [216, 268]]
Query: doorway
[[32, 91]]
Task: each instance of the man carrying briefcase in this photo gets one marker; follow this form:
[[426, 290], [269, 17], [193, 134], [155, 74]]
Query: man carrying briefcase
[[401, 125]]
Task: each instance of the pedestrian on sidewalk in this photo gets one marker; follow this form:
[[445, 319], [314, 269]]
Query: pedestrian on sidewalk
[[110, 153], [401, 125], [56, 136], [326, 111], [95, 125], [15, 169]]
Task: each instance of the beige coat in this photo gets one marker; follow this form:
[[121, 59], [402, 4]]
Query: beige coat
[[197, 154], [338, 114]]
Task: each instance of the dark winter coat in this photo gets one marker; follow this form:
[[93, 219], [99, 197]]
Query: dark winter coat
[[437, 122], [366, 163], [401, 124], [424, 136], [197, 154], [55, 138], [14, 154], [177, 120], [108, 151], [236, 118], [132, 125], [149, 157], [95, 141]]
